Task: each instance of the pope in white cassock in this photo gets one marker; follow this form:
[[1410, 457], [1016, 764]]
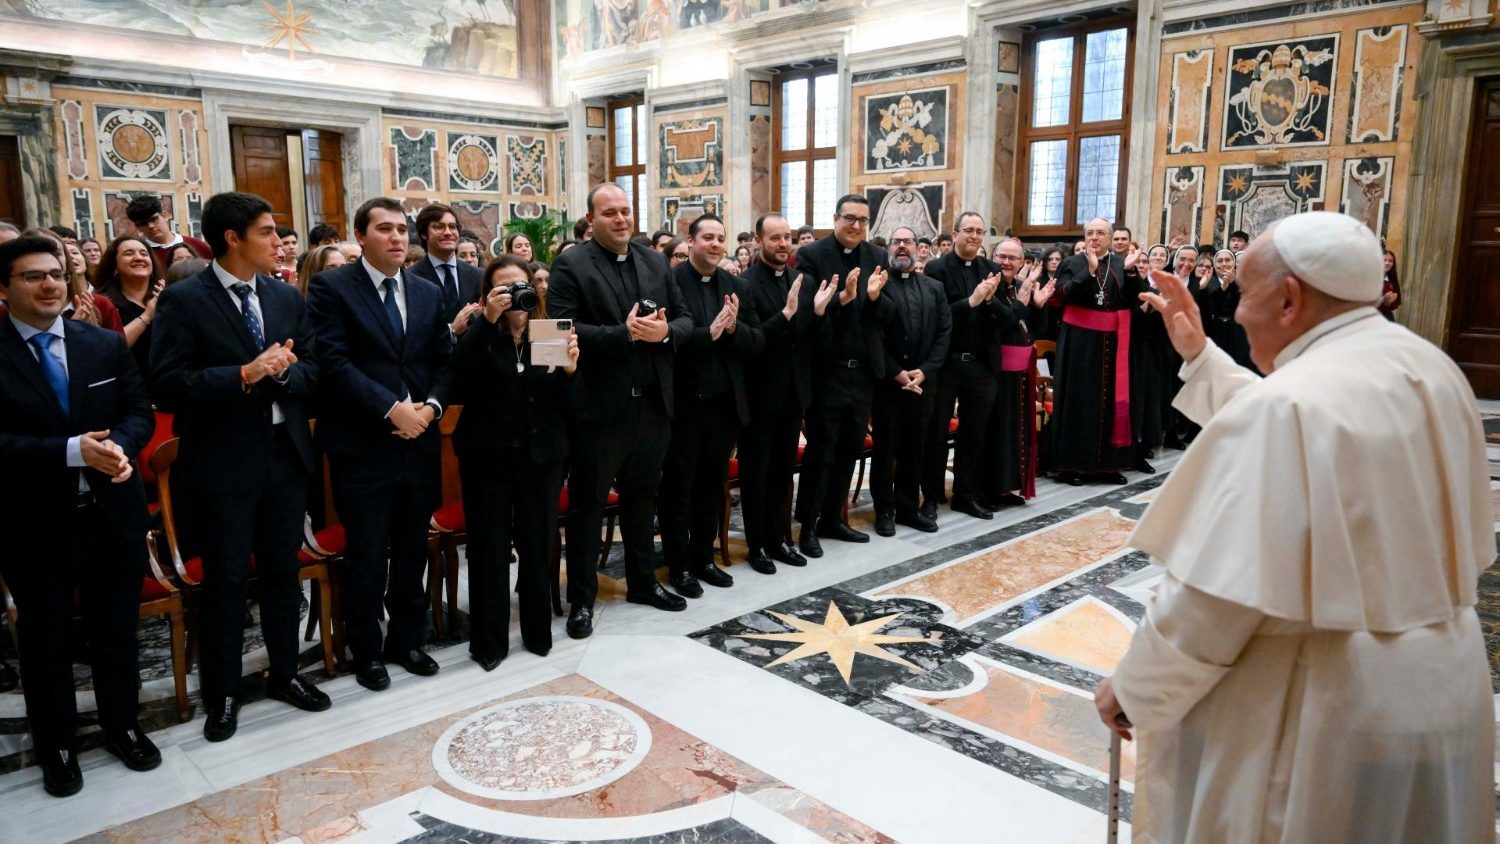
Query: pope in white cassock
[[1311, 667]]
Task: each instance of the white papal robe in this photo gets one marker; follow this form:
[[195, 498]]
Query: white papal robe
[[1312, 668]]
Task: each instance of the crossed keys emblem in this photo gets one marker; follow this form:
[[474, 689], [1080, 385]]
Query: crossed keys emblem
[[1280, 99]]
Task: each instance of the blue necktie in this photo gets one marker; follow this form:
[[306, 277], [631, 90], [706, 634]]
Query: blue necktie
[[391, 311], [252, 322], [57, 379]]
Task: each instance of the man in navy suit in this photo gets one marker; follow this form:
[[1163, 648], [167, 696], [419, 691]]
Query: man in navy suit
[[622, 395], [230, 357], [383, 351], [72, 511], [437, 229]]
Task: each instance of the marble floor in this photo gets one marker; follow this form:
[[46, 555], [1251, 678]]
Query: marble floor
[[921, 688]]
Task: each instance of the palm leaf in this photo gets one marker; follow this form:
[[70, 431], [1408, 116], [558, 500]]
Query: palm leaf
[[546, 233]]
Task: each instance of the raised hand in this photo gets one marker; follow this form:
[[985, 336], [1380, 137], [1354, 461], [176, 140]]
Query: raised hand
[[850, 288], [1180, 312], [790, 310], [984, 290], [1135, 257], [877, 283], [497, 302], [1039, 298], [824, 294]]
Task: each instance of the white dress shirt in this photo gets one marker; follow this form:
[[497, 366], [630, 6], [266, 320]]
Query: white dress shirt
[[378, 279], [229, 281], [59, 352]]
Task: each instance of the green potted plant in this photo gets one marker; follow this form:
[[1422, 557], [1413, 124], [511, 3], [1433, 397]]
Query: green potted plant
[[546, 233]]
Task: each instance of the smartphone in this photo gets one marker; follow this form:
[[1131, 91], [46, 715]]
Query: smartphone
[[549, 342]]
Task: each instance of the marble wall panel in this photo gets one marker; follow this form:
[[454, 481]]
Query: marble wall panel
[[678, 212], [1187, 109], [83, 212], [115, 203], [907, 130], [1252, 198], [908, 136], [1007, 111], [562, 166], [691, 153], [1367, 191], [1379, 71], [1280, 93], [413, 155], [71, 114], [598, 158], [187, 144], [918, 207], [760, 165], [133, 143], [1182, 205], [194, 220], [528, 165], [473, 162], [483, 219]]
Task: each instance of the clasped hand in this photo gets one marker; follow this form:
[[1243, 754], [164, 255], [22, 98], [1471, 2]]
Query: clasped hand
[[727, 318], [411, 419], [276, 359], [647, 329], [105, 455]]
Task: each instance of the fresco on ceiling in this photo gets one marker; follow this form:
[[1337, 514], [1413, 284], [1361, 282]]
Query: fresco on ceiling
[[587, 25], [475, 36]]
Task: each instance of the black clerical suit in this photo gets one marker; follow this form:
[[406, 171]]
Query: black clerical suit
[[779, 381], [460, 282], [384, 487], [1091, 423], [966, 379], [622, 399], [849, 357], [65, 542], [917, 331], [712, 404], [244, 457], [511, 442]]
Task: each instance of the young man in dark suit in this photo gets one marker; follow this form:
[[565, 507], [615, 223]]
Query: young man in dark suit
[[384, 352], [437, 229], [73, 513], [712, 404], [630, 319], [230, 359], [849, 358]]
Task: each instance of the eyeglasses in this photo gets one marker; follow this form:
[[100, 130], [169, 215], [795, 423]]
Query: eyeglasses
[[39, 276], [679, 254], [443, 227], [972, 232], [902, 241], [852, 220]]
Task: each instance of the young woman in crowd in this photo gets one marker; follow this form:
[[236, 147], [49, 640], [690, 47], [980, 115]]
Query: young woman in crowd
[[180, 252], [316, 260], [519, 245], [742, 257], [1218, 298], [677, 252], [87, 304], [1390, 293], [468, 252], [539, 275], [127, 277], [92, 252]]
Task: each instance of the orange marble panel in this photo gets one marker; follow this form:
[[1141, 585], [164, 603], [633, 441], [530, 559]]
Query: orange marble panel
[[989, 579], [1379, 59], [1086, 633], [1042, 715], [1192, 75]]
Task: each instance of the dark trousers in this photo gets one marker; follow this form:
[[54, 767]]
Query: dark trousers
[[627, 454], [899, 421], [386, 505], [768, 457], [972, 386], [836, 427], [266, 522], [692, 480], [944, 389], [509, 501], [104, 571]]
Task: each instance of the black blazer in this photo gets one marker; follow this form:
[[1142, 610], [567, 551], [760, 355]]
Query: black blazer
[[820, 261], [934, 325], [786, 359], [973, 328], [365, 370], [733, 349], [200, 344], [40, 493], [585, 289], [484, 373], [470, 280]]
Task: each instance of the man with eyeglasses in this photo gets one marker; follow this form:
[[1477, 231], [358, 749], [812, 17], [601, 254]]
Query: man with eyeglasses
[[437, 228], [73, 411], [849, 357], [916, 345]]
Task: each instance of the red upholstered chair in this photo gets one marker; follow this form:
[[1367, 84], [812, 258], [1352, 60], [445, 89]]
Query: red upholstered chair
[[445, 533], [731, 481], [611, 512], [189, 573]]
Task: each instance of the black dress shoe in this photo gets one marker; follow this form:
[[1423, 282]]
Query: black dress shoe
[[714, 576], [60, 774], [917, 522], [580, 622], [1010, 499], [762, 562], [809, 544], [686, 585], [414, 661], [1114, 478], [488, 663], [657, 597], [784, 553], [134, 749], [971, 508], [372, 675], [539, 650], [8, 678], [223, 720], [299, 693], [841, 532], [929, 510], [885, 524], [1144, 467], [1070, 478]]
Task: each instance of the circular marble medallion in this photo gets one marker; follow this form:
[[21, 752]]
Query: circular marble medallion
[[134, 144], [539, 748]]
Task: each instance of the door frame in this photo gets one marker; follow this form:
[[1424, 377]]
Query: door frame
[[359, 124]]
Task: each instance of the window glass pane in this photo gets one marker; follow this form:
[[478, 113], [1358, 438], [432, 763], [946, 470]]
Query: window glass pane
[[825, 191], [826, 106], [640, 134], [1104, 76], [794, 114], [642, 205], [1048, 180], [624, 137], [794, 193], [627, 184], [1052, 90], [1098, 177]]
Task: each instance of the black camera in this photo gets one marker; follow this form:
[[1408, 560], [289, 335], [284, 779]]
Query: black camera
[[646, 308], [523, 297]]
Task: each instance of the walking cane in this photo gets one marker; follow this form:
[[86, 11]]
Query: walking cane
[[1112, 828]]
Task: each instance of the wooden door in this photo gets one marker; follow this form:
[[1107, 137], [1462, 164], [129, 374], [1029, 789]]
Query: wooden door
[[261, 167], [1474, 333], [323, 175], [12, 206]]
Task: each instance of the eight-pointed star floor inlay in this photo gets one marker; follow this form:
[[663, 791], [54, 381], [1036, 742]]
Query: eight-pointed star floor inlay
[[839, 639]]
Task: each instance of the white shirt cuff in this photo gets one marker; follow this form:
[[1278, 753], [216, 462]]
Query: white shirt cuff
[[75, 453]]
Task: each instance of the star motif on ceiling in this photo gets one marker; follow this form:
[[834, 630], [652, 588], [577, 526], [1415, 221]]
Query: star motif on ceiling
[[1236, 184], [838, 639], [290, 27], [1305, 181]]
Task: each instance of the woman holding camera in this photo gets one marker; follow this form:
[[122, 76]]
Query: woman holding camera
[[511, 441]]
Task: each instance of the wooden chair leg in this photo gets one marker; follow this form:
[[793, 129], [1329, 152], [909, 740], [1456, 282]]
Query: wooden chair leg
[[450, 578], [609, 539], [325, 622], [176, 624], [555, 575], [859, 483], [435, 586], [336, 612], [314, 608]]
